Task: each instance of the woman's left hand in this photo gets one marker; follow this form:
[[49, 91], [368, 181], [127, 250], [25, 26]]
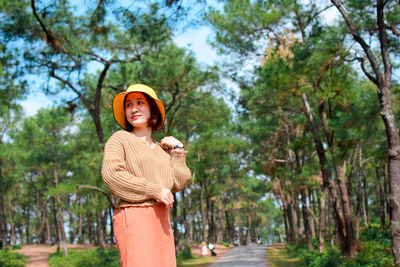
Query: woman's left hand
[[170, 142]]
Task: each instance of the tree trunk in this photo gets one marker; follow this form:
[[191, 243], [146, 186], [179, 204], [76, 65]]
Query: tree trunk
[[80, 236], [322, 223], [57, 228], [48, 231], [314, 207], [248, 234], [305, 220], [175, 224], [186, 234], [381, 201], [3, 223], [229, 227], [27, 225], [101, 234], [358, 210], [220, 223], [347, 235], [203, 214], [61, 230], [346, 246], [365, 200], [383, 80]]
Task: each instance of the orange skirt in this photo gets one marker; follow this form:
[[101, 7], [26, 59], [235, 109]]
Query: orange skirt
[[144, 236]]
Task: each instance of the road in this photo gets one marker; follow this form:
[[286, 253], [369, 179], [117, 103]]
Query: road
[[244, 256]]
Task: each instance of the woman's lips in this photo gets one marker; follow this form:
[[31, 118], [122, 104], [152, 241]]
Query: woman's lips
[[136, 116]]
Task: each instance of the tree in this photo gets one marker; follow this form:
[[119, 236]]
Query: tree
[[379, 20]]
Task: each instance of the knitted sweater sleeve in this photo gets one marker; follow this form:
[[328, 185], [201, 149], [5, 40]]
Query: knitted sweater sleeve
[[121, 182], [182, 174]]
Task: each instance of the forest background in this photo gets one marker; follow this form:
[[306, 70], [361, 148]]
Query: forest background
[[291, 136]]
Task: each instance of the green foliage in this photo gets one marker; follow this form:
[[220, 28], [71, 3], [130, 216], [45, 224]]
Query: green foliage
[[14, 247], [11, 259], [184, 254], [373, 232], [331, 257], [224, 244], [374, 250], [86, 258]]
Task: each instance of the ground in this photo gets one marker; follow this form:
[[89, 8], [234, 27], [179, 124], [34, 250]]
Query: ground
[[38, 254]]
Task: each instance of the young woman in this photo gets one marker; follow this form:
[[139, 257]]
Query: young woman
[[143, 174]]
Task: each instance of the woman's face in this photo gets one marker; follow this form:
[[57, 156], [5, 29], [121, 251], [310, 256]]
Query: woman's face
[[137, 110]]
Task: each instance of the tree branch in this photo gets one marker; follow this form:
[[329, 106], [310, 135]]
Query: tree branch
[[82, 97], [98, 190], [356, 35], [50, 36], [370, 77], [384, 41]]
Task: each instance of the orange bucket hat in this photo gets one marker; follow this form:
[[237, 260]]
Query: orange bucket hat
[[119, 109]]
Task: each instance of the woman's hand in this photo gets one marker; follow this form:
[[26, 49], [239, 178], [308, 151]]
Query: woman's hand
[[167, 198], [170, 142]]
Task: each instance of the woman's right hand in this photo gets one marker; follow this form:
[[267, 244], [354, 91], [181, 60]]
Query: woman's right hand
[[167, 198]]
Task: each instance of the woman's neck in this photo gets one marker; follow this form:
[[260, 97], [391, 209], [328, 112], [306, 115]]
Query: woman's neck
[[144, 134]]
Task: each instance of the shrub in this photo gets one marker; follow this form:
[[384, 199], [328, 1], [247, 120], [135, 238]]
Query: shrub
[[224, 244], [11, 259], [87, 258], [14, 247]]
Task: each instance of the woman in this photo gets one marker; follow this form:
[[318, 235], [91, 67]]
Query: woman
[[143, 174]]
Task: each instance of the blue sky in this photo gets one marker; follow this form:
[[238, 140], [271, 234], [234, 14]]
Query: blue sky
[[192, 39]]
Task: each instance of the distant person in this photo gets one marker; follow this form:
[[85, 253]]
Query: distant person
[[204, 251], [143, 174]]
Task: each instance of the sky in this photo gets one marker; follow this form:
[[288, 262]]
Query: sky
[[194, 39]]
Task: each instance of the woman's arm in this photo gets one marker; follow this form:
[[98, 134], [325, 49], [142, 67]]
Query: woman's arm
[[182, 174]]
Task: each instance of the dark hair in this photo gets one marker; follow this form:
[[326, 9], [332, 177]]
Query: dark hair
[[155, 115]]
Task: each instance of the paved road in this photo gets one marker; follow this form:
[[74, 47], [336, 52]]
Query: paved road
[[244, 256]]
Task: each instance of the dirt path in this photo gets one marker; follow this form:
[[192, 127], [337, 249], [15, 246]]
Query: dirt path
[[38, 254]]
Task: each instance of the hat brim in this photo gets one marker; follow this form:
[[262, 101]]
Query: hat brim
[[119, 109]]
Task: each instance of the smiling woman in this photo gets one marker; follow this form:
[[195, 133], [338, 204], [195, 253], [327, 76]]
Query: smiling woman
[[143, 174]]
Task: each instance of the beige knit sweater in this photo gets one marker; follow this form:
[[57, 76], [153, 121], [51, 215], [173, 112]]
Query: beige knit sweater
[[136, 173]]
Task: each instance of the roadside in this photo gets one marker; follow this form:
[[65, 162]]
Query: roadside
[[200, 261], [278, 257]]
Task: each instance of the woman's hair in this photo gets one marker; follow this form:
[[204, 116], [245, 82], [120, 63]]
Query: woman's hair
[[155, 115]]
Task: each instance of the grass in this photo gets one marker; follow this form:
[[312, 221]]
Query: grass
[[197, 262], [278, 257], [87, 257]]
